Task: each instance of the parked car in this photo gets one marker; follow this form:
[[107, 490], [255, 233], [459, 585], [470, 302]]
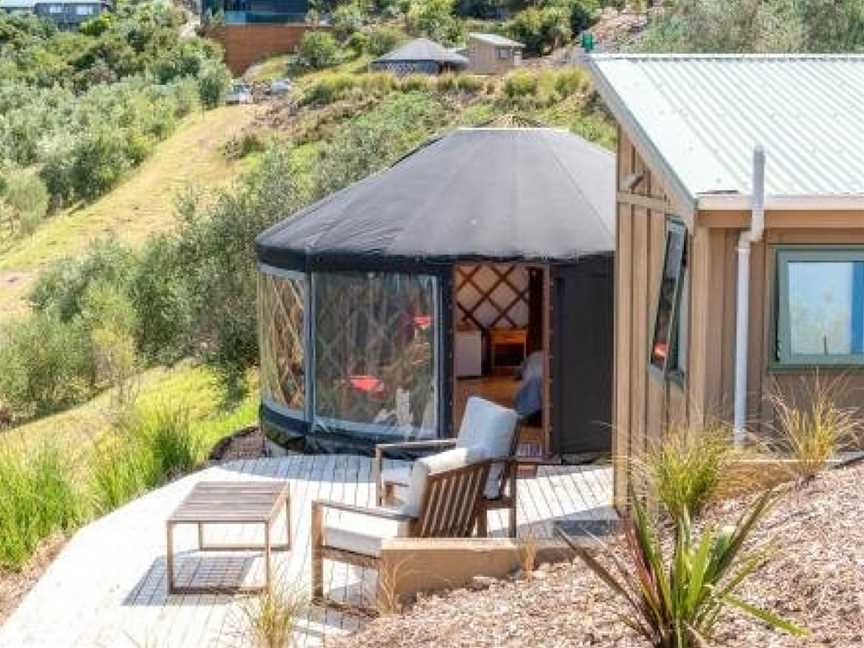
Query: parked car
[[240, 93], [280, 87]]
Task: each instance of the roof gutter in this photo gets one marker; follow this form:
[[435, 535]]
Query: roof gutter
[[742, 314]]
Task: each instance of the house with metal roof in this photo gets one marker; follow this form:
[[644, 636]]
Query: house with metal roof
[[493, 53], [66, 14], [420, 56], [740, 237]]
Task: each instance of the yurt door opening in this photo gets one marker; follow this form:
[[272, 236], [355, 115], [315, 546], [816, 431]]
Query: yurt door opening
[[500, 347]]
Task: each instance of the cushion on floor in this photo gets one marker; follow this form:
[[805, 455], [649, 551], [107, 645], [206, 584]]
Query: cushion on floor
[[360, 533]]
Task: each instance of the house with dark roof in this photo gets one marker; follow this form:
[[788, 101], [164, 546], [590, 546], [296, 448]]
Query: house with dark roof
[[740, 238], [422, 56], [493, 53], [66, 14]]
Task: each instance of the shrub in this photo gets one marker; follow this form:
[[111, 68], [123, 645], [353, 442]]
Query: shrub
[[378, 83], [520, 83], [37, 500], [686, 468], [541, 30], [213, 82], [99, 160], [415, 82], [347, 18], [814, 427], [435, 19], [329, 88], [318, 50], [45, 364], [26, 198], [677, 603], [382, 39], [268, 620], [445, 82], [149, 448], [470, 83]]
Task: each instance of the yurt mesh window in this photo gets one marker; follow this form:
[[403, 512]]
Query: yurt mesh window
[[281, 304], [375, 353]]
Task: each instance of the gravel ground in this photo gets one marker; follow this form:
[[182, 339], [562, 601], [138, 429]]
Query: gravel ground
[[816, 579]]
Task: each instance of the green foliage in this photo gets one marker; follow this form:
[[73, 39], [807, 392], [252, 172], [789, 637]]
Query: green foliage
[[213, 82], [677, 603], [726, 26], [434, 19], [541, 30], [382, 39], [37, 500], [813, 427], [347, 19], [527, 89], [99, 161], [152, 447], [46, 364], [317, 50], [686, 469], [23, 201]]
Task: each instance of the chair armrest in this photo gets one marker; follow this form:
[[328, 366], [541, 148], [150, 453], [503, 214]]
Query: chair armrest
[[409, 445], [361, 510]]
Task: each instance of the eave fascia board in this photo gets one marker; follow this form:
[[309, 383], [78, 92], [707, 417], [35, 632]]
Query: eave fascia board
[[682, 200], [742, 202]]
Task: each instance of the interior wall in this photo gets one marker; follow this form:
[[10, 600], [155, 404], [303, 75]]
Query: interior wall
[[492, 296]]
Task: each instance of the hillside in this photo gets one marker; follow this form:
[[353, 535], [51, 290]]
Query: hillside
[[815, 577], [143, 204]]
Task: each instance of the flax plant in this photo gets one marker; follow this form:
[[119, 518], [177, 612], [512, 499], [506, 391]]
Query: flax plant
[[813, 428], [677, 602]]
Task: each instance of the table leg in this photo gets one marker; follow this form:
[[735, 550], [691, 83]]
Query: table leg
[[200, 536], [288, 524], [267, 565], [169, 557]]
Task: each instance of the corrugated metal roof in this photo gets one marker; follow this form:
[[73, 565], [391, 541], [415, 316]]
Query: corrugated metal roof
[[422, 49], [700, 116], [495, 39]]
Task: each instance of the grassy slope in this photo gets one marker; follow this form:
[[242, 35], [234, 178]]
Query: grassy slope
[[185, 385], [142, 205]]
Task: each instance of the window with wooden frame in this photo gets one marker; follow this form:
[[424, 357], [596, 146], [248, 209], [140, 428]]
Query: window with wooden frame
[[668, 339], [820, 306]]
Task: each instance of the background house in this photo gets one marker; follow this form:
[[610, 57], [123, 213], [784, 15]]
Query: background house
[[250, 30], [66, 14], [493, 54], [420, 55], [691, 276]]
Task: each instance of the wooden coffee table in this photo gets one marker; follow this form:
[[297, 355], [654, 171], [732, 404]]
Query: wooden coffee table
[[234, 502]]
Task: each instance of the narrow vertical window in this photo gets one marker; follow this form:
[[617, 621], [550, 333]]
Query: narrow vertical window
[[665, 340]]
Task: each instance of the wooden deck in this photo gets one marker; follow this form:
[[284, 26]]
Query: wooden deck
[[108, 586]]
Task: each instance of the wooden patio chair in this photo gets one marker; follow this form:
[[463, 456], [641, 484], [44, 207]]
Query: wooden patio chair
[[443, 502], [485, 425]]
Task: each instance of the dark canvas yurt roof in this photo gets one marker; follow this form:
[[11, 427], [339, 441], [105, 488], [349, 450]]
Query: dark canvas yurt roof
[[422, 49], [472, 195]]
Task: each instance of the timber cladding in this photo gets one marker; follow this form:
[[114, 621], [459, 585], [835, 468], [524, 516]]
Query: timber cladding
[[248, 44], [646, 404]]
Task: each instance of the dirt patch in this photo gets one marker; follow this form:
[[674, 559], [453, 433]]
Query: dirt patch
[[247, 443], [14, 586], [816, 580]]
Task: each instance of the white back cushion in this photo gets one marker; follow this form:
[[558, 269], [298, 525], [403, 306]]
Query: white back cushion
[[448, 460], [491, 427]]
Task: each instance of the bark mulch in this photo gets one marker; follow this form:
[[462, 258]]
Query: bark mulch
[[815, 579]]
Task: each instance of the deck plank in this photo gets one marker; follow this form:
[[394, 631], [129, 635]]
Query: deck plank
[[107, 587]]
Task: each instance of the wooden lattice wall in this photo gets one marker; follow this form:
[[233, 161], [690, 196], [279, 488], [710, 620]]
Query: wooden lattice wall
[[493, 295]]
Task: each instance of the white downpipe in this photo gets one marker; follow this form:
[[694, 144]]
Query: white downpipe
[[742, 316]]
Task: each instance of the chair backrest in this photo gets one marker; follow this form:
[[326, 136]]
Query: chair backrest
[[491, 428], [433, 464], [451, 502]]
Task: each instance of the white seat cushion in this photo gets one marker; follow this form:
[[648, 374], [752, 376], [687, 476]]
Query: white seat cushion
[[489, 427], [448, 460], [362, 534]]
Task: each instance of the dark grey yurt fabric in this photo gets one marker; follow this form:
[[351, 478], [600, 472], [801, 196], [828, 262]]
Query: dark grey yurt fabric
[[420, 55], [474, 194]]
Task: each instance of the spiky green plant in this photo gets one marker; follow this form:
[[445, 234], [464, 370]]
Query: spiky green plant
[[684, 471], [813, 428], [677, 603]]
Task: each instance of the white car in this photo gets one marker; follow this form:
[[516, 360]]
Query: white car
[[240, 93], [280, 87]]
